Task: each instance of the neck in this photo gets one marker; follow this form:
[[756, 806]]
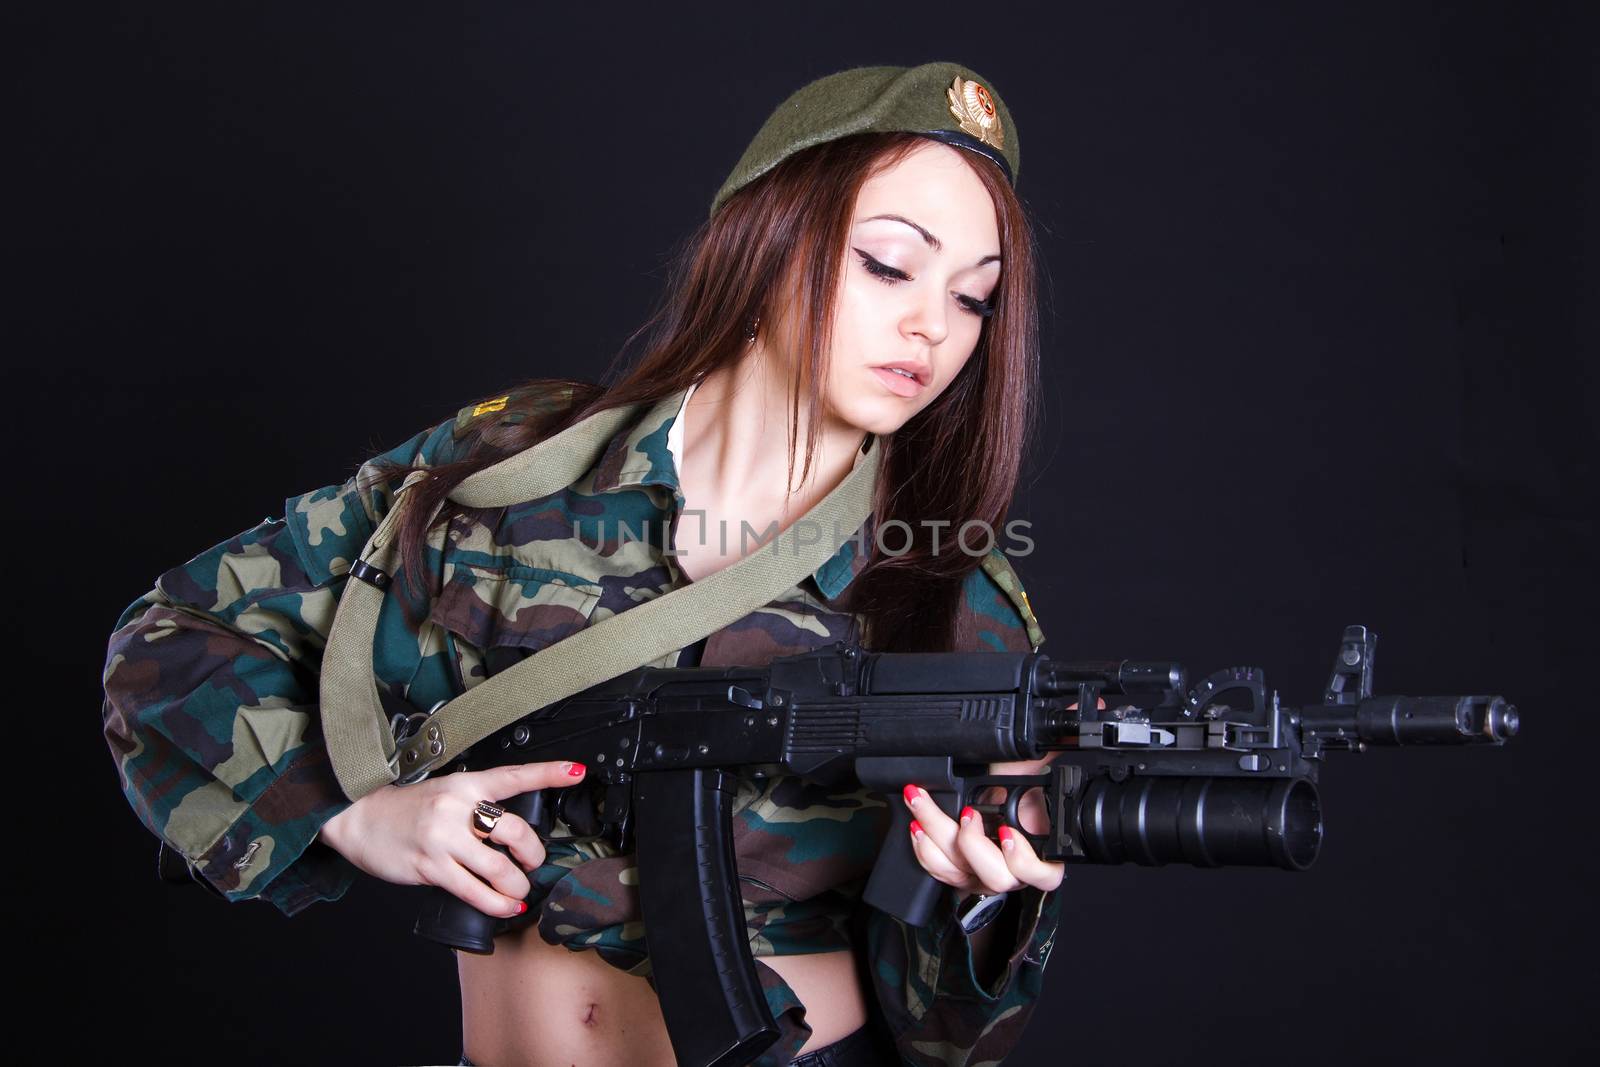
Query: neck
[[736, 442]]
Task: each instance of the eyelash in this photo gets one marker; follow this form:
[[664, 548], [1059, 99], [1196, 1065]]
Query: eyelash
[[889, 276]]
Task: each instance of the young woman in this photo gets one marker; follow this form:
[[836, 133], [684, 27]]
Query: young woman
[[866, 270]]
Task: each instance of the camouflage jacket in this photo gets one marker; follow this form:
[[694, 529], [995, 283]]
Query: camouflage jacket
[[211, 686]]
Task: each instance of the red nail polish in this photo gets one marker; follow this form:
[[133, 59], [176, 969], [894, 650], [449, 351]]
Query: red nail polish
[[522, 906], [1005, 833], [910, 793], [576, 769], [916, 828], [968, 813]]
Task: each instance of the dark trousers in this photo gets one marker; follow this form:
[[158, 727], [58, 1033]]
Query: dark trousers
[[856, 1049]]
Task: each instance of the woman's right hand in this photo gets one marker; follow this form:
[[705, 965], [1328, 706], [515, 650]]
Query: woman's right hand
[[421, 834]]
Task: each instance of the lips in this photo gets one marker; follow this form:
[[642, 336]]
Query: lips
[[898, 384], [921, 372]]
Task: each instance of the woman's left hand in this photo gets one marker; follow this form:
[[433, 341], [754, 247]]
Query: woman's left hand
[[959, 854]]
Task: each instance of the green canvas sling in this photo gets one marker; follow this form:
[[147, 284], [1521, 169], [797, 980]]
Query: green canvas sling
[[362, 744]]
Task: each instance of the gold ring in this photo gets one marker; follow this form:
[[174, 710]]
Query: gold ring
[[484, 817]]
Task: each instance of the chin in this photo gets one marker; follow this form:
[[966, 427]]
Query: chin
[[878, 416]]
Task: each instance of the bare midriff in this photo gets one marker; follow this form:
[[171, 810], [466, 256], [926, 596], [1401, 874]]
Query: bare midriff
[[532, 1004]]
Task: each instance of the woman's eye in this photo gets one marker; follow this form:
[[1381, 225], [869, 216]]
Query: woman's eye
[[890, 275], [882, 270]]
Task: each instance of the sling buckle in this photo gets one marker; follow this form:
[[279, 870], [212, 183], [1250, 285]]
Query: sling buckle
[[369, 574], [416, 740]]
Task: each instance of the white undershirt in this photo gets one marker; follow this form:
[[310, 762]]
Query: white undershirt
[[675, 435]]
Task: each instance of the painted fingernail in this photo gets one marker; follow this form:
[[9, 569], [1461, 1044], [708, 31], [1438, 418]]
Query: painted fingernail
[[1007, 842], [967, 815], [916, 828], [576, 769], [522, 906], [910, 793]]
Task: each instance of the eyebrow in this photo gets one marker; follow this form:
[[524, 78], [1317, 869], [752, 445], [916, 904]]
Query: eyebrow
[[933, 242]]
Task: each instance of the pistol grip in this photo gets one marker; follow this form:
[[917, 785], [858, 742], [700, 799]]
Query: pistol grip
[[449, 920], [899, 884]]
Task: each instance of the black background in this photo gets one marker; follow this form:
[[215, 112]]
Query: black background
[[1316, 353]]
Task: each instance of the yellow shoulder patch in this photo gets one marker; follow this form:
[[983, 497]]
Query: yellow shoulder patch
[[534, 398], [998, 567]]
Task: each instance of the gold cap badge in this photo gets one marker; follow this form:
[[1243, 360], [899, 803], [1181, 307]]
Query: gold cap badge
[[973, 107]]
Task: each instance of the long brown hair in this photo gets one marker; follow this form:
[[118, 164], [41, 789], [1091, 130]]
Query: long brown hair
[[957, 460]]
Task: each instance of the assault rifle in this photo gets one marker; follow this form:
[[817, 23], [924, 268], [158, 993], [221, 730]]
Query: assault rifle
[[1164, 773]]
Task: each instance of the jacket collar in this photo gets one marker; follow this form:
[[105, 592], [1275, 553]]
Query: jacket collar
[[639, 456]]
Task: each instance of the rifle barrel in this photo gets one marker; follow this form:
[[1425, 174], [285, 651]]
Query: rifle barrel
[[1397, 720]]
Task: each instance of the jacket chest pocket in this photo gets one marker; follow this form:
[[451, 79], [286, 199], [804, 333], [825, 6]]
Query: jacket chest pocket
[[497, 616]]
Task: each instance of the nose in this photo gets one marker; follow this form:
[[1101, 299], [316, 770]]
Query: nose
[[928, 318]]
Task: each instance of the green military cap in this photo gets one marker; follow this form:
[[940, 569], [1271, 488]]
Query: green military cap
[[945, 101]]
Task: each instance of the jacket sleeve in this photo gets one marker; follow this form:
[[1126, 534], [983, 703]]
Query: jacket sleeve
[[940, 1009], [211, 685]]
